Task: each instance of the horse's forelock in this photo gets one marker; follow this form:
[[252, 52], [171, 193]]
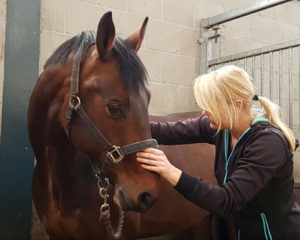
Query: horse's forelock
[[132, 70]]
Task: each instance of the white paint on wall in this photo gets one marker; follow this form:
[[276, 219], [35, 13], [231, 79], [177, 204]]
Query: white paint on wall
[[2, 48]]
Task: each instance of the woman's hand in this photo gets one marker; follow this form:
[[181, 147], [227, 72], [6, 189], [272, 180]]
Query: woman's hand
[[155, 160]]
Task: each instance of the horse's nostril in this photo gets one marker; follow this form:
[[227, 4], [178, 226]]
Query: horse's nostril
[[145, 201]]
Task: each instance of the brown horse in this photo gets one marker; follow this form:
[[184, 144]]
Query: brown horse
[[87, 117], [92, 93]]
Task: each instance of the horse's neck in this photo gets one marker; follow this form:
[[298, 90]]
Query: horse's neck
[[43, 116], [71, 176], [63, 170]]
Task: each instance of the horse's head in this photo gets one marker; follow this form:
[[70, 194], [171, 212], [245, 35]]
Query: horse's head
[[111, 103]]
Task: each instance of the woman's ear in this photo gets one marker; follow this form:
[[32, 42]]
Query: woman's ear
[[239, 105]]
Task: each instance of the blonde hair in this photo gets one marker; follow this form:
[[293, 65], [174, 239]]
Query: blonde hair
[[219, 89]]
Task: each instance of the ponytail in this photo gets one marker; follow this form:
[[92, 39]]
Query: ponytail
[[272, 112]]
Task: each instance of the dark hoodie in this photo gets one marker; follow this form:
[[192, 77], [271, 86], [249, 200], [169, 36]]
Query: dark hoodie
[[255, 178]]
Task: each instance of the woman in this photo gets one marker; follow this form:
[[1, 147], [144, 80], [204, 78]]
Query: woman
[[254, 154]]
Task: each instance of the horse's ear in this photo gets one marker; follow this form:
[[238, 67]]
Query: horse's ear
[[105, 35], [135, 40]]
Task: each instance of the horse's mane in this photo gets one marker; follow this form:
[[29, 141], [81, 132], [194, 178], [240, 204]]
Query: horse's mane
[[132, 70]]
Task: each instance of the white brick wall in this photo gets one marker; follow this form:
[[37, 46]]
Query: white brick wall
[[169, 50], [2, 47]]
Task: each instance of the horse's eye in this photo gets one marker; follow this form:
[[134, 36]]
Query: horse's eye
[[115, 109]]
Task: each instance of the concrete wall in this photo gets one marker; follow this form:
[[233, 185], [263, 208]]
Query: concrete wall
[[170, 50], [2, 47]]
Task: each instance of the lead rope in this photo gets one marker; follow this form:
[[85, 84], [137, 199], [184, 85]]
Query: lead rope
[[105, 211]]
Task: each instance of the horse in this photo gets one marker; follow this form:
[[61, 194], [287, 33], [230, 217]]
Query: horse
[[87, 116]]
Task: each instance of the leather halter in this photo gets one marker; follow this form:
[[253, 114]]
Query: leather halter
[[114, 153]]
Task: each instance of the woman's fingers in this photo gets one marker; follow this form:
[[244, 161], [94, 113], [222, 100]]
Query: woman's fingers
[[154, 151], [151, 168], [143, 160], [152, 159], [150, 153], [147, 161], [150, 164], [147, 155], [155, 160]]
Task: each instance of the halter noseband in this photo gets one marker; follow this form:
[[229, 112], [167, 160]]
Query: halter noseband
[[114, 153]]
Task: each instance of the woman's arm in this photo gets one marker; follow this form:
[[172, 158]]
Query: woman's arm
[[255, 169], [194, 130]]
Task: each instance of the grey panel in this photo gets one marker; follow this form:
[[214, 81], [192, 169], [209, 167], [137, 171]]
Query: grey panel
[[16, 157]]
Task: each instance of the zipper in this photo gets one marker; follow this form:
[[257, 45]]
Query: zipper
[[227, 158], [267, 232], [226, 143]]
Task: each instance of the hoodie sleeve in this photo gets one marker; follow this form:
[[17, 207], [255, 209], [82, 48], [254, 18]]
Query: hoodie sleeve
[[257, 166], [195, 130]]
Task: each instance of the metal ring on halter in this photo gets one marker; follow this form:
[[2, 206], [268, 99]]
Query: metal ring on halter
[[77, 101]]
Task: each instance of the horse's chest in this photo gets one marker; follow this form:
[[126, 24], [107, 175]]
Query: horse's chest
[[72, 225]]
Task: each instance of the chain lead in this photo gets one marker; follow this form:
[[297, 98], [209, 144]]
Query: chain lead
[[105, 210]]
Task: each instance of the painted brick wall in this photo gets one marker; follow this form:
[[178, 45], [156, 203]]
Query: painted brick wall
[[170, 50], [2, 47]]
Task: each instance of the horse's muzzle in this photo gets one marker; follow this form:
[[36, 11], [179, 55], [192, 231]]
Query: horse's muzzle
[[144, 202]]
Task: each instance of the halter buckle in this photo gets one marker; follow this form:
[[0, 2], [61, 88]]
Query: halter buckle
[[115, 155]]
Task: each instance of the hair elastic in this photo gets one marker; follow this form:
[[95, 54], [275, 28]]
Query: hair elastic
[[255, 97]]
